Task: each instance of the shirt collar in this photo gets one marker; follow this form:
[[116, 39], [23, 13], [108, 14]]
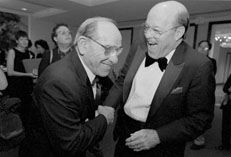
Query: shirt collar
[[61, 53], [169, 56], [90, 75]]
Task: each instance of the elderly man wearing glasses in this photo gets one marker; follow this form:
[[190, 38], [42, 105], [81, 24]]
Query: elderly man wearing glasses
[[63, 120], [166, 93]]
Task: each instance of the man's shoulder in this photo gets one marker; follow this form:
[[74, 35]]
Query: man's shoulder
[[213, 60]]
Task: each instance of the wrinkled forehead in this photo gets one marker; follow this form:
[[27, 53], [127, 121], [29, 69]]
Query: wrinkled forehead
[[108, 32], [23, 38], [61, 29], [161, 17]]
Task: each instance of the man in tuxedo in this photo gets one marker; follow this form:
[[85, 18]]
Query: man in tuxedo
[[63, 121], [161, 109]]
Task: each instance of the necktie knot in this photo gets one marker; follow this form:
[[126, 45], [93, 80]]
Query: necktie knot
[[98, 91], [162, 62], [95, 81]]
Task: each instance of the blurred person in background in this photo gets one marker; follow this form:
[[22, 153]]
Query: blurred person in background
[[42, 47], [32, 55], [20, 82], [61, 36], [226, 117], [204, 47]]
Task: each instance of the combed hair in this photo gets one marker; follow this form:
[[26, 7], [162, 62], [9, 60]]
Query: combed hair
[[42, 43], [54, 33], [20, 33], [183, 20], [209, 44], [89, 27]]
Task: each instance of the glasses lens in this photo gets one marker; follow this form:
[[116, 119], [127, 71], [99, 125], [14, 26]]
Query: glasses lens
[[113, 51], [119, 51], [65, 33], [145, 28]]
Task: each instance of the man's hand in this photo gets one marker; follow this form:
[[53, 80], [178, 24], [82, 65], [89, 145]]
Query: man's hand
[[108, 112], [143, 140]]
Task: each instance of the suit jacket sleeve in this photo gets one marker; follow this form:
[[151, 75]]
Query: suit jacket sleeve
[[198, 108], [44, 62], [227, 85], [60, 108], [115, 97]]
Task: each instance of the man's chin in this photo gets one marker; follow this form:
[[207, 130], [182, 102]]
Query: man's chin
[[103, 74]]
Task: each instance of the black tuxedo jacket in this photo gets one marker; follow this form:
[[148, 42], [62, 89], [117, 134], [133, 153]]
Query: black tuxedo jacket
[[182, 107], [62, 120]]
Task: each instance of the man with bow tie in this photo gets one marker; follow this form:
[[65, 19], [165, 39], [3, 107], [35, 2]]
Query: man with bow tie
[[160, 110]]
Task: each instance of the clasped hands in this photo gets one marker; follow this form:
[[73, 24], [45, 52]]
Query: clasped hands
[[143, 140], [108, 112]]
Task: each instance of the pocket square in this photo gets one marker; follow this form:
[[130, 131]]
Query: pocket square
[[177, 90]]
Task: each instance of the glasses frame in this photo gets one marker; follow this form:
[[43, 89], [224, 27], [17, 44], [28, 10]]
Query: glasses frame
[[108, 50], [204, 48], [157, 33], [63, 33]]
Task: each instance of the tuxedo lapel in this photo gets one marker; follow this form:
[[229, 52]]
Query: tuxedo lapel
[[166, 84], [140, 55], [82, 75], [170, 76]]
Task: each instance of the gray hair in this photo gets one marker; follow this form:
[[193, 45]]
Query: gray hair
[[183, 20], [89, 27]]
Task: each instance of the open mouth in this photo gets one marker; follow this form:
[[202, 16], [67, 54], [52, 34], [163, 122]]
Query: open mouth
[[151, 44]]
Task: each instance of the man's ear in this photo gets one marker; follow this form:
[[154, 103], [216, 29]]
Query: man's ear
[[179, 32], [55, 39], [82, 45]]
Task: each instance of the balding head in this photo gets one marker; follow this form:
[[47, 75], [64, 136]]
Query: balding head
[[170, 13], [165, 27], [99, 42]]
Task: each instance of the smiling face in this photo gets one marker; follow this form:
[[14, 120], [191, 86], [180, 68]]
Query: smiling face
[[22, 42], [94, 55], [40, 49], [162, 31]]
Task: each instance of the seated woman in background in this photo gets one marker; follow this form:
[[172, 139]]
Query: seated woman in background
[[42, 47], [20, 83]]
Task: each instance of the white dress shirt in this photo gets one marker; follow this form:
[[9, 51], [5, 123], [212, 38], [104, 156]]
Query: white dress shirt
[[144, 86]]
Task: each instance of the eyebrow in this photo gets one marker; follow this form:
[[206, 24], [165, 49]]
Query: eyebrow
[[153, 27]]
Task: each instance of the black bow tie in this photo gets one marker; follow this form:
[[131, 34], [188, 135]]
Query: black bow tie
[[162, 62]]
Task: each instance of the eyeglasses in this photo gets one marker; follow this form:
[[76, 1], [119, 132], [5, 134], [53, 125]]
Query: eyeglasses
[[109, 50], [64, 33], [204, 48], [155, 32]]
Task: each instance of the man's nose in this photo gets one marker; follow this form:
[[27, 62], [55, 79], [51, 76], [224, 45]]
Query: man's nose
[[113, 59], [148, 35]]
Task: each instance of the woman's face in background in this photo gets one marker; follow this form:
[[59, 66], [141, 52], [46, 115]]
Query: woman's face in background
[[40, 49]]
